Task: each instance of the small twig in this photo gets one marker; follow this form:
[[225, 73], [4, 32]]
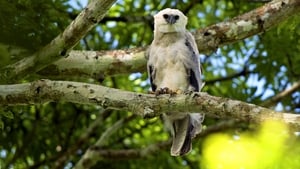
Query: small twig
[[220, 126], [131, 153], [243, 72], [275, 99], [82, 139], [89, 158], [153, 148]]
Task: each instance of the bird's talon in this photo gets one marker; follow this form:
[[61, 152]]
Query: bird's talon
[[173, 93], [157, 92], [160, 91]]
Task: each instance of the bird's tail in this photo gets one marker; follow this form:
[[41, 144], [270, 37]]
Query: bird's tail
[[183, 130]]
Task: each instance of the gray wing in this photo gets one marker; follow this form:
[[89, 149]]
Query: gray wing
[[193, 69]]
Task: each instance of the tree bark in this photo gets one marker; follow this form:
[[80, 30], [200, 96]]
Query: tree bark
[[146, 105], [95, 64]]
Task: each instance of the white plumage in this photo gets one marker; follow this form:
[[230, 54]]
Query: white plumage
[[173, 67]]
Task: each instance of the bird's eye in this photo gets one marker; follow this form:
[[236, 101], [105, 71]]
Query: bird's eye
[[166, 16], [176, 17]]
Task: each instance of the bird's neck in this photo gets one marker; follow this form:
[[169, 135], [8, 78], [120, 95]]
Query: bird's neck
[[168, 37]]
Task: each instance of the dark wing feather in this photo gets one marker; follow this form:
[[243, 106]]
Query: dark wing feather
[[152, 76], [193, 80], [193, 69], [151, 70]]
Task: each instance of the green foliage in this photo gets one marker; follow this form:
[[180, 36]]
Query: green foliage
[[263, 65], [32, 23], [252, 150]]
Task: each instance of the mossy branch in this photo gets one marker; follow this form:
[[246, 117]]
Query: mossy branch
[[146, 105]]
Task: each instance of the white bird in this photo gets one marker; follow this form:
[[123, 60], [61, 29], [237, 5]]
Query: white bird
[[174, 68]]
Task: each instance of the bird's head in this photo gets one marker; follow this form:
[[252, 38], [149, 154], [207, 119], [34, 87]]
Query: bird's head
[[170, 20]]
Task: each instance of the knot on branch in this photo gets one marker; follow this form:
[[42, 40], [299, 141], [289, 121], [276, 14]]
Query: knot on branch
[[45, 90], [39, 87]]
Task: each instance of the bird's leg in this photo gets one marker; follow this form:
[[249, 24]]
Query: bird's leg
[[158, 92], [162, 91], [166, 90]]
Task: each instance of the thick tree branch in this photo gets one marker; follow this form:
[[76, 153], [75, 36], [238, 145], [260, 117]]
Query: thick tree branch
[[246, 25], [143, 104], [97, 63], [60, 46], [208, 40]]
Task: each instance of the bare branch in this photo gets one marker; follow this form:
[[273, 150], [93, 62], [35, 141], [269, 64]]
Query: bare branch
[[62, 158], [131, 153], [275, 99], [246, 25], [96, 152], [97, 63], [243, 72], [90, 158], [61, 45], [143, 104]]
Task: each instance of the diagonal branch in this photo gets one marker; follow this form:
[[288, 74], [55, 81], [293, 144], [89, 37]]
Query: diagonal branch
[[130, 153], [142, 104], [94, 63], [61, 45], [123, 154], [97, 63], [256, 21], [243, 72], [62, 158], [90, 157], [275, 99]]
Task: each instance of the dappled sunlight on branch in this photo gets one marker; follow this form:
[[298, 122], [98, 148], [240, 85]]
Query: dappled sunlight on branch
[[272, 146]]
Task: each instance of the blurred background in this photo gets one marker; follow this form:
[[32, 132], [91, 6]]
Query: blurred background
[[56, 135]]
